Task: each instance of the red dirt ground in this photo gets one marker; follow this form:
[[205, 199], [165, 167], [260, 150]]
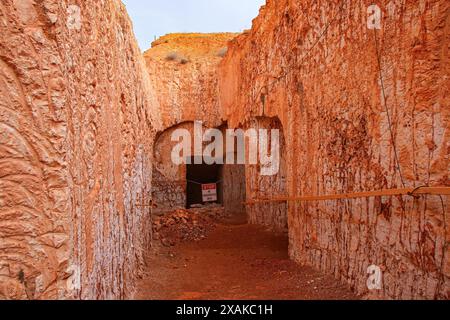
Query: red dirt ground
[[236, 261]]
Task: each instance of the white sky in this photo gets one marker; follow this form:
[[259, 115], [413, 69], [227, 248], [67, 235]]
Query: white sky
[[155, 18]]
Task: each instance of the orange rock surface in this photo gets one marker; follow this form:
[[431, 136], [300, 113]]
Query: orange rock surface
[[183, 73], [75, 151], [315, 66], [81, 109]]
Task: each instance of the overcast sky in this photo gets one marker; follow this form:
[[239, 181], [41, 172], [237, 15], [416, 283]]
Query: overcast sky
[[154, 18]]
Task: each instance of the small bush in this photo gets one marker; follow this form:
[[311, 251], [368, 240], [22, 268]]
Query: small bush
[[172, 56], [222, 52], [184, 60]]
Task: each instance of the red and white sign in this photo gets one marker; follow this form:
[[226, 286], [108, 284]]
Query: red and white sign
[[209, 192]]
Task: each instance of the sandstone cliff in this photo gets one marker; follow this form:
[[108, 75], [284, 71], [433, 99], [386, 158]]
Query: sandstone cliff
[[316, 66], [75, 151], [183, 73]]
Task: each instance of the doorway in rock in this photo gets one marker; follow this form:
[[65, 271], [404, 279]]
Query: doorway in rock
[[272, 214], [201, 174]]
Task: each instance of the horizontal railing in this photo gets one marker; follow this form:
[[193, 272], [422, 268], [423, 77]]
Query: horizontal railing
[[379, 193]]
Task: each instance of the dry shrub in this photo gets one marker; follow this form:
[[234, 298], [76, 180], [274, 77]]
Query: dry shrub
[[184, 60], [222, 52]]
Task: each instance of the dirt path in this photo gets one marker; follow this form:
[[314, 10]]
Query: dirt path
[[236, 261]]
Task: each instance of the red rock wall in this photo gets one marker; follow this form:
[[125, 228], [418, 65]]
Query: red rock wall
[[77, 112], [169, 184], [183, 73], [169, 179], [315, 66], [271, 215], [75, 146]]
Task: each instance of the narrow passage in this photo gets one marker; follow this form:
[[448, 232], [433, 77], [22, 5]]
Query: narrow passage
[[235, 261]]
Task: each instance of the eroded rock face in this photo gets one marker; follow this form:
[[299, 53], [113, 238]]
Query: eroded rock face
[[75, 150], [80, 109], [183, 73], [315, 67]]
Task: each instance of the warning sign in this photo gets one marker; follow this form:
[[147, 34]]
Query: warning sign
[[209, 192]]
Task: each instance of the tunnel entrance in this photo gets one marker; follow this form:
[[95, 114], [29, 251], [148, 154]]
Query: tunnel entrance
[[198, 175], [271, 214]]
